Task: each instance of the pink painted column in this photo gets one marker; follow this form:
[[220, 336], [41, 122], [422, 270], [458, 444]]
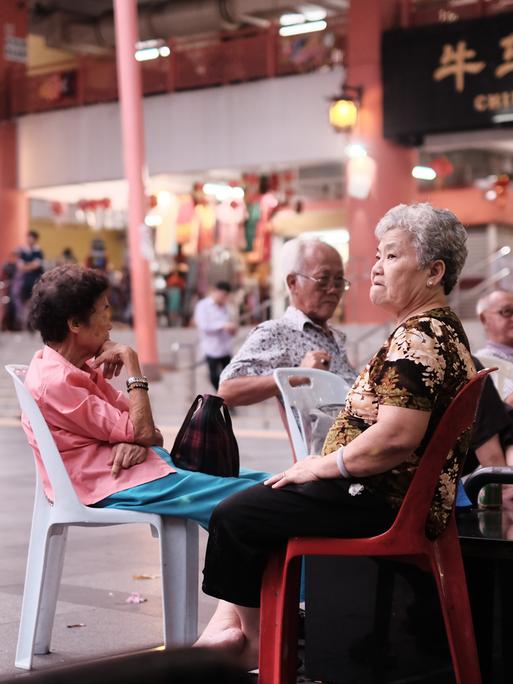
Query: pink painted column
[[130, 101], [392, 182], [13, 202]]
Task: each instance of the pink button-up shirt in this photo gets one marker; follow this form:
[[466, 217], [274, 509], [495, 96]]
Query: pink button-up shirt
[[86, 417]]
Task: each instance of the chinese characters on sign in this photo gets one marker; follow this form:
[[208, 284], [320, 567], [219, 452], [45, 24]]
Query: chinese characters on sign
[[449, 77], [454, 63], [457, 61]]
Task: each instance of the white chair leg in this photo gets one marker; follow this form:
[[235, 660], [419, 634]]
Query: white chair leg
[[179, 562], [55, 548], [32, 591]]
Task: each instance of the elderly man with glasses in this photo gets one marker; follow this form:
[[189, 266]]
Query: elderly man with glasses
[[314, 275], [495, 312]]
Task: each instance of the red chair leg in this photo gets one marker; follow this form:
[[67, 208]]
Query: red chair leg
[[449, 574], [279, 621]]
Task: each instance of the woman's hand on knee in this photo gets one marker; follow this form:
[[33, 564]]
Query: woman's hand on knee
[[307, 470]]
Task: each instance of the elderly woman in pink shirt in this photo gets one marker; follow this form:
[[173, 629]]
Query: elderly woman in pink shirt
[[109, 443]]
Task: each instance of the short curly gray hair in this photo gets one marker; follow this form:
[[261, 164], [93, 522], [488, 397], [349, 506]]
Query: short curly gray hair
[[436, 234]]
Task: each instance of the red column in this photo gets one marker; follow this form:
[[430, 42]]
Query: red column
[[130, 100], [392, 182], [13, 203]]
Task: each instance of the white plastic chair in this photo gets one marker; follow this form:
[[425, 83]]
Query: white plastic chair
[[50, 522], [503, 379], [323, 389]]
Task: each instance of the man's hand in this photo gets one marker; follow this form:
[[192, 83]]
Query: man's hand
[[307, 469], [125, 455], [316, 359], [113, 356]]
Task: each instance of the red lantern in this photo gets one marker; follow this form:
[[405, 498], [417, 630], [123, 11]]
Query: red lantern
[[442, 166], [57, 208]]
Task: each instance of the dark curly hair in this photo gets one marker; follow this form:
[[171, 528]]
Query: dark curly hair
[[64, 292]]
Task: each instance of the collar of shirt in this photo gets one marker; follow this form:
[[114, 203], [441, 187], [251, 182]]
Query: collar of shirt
[[49, 354], [502, 349], [297, 320]]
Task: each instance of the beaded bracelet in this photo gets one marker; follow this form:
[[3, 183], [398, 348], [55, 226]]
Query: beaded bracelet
[[135, 382], [138, 385]]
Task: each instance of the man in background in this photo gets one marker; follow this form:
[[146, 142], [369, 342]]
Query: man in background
[[216, 330], [314, 275], [495, 311]]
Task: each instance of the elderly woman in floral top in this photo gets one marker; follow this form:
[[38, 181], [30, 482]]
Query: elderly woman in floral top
[[373, 449]]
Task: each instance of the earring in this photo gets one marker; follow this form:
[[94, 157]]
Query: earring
[[429, 283]]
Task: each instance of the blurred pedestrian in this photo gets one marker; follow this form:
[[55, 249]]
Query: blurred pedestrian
[[30, 268], [216, 330]]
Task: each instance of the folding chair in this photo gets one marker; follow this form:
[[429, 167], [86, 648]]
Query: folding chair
[[405, 539], [50, 523]]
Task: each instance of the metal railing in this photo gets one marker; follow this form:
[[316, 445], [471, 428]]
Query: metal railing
[[232, 57]]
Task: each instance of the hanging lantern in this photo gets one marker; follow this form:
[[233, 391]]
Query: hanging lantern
[[343, 111]]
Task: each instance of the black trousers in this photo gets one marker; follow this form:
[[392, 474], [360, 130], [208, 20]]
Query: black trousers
[[215, 368], [246, 527]]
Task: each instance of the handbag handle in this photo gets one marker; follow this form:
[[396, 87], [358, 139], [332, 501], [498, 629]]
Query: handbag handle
[[185, 424]]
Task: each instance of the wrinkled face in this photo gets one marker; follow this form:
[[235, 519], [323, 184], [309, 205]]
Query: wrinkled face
[[318, 302], [498, 318], [93, 334], [397, 282]]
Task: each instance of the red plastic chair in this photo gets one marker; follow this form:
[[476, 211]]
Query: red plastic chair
[[406, 538]]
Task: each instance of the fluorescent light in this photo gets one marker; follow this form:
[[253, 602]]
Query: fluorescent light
[[502, 118], [146, 54], [307, 27], [423, 173], [291, 18], [151, 49], [145, 44], [221, 191], [355, 150], [313, 12]]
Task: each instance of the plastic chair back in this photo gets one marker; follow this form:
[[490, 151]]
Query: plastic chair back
[[504, 378], [63, 490], [458, 417], [323, 388]]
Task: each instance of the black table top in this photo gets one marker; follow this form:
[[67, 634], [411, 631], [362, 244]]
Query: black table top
[[486, 530]]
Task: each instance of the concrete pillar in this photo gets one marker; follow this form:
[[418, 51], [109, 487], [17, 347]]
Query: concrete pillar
[[13, 203], [392, 183], [130, 100]]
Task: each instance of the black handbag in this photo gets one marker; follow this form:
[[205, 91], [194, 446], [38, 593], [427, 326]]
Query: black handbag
[[205, 441]]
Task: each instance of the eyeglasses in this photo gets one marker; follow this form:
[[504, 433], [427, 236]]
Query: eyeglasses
[[507, 312], [339, 282]]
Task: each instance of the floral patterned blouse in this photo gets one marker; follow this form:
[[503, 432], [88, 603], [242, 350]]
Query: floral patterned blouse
[[422, 365]]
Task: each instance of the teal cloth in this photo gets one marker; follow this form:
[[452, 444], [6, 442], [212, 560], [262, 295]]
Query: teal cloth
[[186, 494]]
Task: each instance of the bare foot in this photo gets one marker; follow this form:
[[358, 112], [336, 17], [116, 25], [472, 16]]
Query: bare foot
[[230, 640]]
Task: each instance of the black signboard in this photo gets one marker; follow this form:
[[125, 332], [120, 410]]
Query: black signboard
[[448, 77]]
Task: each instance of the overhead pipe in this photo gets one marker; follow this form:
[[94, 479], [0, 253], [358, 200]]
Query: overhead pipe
[[178, 19]]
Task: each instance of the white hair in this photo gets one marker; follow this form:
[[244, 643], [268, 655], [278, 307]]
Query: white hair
[[293, 253], [484, 302], [436, 234]]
